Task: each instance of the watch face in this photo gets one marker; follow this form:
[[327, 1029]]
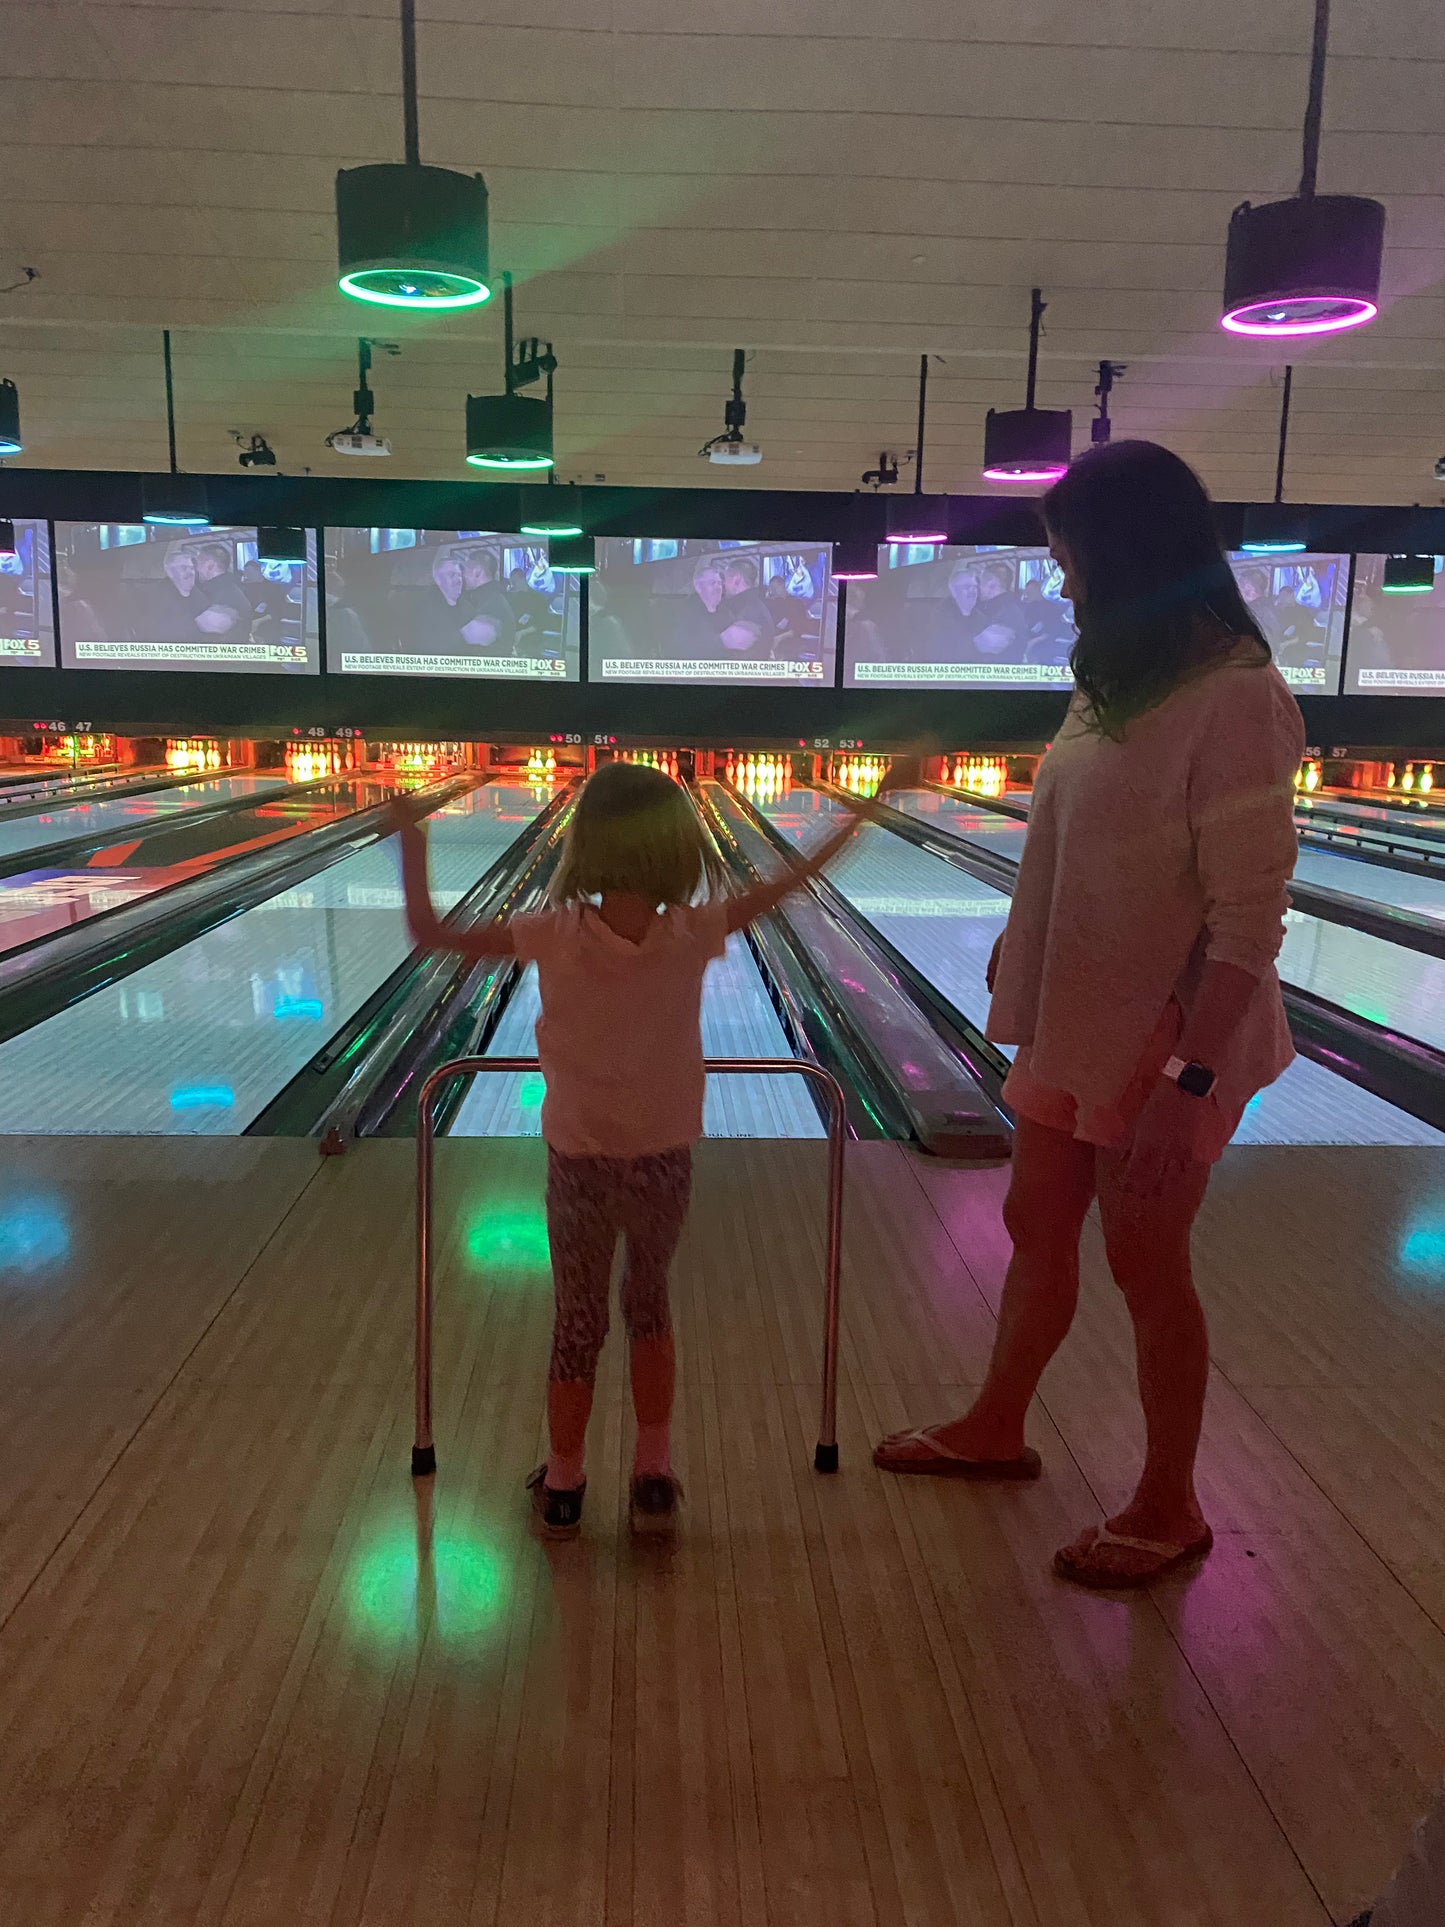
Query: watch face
[[1196, 1080]]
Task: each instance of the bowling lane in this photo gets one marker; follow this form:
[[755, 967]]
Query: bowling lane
[[130, 816], [1001, 835], [738, 1020], [37, 903], [1388, 831], [199, 1042], [1369, 975], [945, 924], [1004, 837]]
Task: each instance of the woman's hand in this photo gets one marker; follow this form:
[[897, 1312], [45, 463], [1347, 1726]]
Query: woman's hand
[[1162, 1147], [991, 973]]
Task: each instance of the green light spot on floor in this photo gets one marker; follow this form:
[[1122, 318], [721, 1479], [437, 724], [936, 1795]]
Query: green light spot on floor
[[399, 1587], [508, 1236], [533, 1090]]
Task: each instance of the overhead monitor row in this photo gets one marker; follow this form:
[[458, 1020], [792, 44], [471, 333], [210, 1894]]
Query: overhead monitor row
[[473, 604]]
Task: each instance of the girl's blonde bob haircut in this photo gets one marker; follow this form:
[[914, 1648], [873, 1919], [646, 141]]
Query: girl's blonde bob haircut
[[635, 832]]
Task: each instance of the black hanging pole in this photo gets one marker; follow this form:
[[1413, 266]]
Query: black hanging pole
[[170, 397], [1283, 433], [922, 413], [1037, 304], [411, 135], [507, 343], [1315, 106]]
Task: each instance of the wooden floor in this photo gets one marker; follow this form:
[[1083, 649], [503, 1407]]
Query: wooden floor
[[251, 1677]]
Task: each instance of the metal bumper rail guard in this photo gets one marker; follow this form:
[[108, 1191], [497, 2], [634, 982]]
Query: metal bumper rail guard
[[825, 1453]]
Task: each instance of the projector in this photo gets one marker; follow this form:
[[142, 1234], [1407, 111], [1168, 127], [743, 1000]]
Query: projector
[[350, 441], [735, 454]]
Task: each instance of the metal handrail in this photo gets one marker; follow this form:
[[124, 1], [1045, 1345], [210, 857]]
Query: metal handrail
[[825, 1453]]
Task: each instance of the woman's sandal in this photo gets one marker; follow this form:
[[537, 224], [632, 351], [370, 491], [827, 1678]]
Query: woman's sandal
[[1079, 1565], [923, 1453], [654, 1499]]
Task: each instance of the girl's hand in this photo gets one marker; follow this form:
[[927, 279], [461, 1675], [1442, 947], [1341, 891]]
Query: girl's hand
[[904, 772], [991, 972], [1162, 1147]]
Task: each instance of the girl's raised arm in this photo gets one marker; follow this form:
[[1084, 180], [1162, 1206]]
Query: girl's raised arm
[[428, 932], [743, 909]]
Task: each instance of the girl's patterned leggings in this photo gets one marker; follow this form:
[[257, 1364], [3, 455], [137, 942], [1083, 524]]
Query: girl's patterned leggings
[[591, 1202]]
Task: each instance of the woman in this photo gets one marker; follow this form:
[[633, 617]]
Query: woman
[[1136, 975]]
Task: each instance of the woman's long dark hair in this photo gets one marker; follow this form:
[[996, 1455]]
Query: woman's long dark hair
[[1156, 601]]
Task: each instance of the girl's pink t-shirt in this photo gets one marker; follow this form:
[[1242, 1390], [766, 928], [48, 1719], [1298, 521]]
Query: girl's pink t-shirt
[[620, 1035]]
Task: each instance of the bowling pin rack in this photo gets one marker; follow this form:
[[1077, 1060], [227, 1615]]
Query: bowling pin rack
[[825, 1453]]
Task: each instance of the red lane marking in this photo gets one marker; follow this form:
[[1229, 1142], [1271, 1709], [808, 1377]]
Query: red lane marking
[[112, 858]]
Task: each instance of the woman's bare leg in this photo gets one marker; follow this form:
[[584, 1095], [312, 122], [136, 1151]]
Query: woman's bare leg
[[1147, 1240], [1050, 1189]]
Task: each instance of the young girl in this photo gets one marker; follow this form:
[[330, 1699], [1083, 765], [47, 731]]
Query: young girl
[[639, 912]]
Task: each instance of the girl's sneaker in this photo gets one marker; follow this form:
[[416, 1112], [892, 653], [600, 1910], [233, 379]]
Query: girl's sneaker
[[656, 1498], [559, 1512]]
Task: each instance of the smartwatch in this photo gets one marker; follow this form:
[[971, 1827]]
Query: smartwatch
[[1195, 1080]]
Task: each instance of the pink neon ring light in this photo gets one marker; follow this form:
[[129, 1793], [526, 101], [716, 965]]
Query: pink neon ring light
[[1051, 473], [1238, 320]]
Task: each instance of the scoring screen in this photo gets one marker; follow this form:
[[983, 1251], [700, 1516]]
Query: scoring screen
[[27, 621], [449, 602], [138, 596], [713, 612], [1397, 640], [957, 618]]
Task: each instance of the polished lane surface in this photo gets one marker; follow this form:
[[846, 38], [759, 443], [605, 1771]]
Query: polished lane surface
[[123, 816], [738, 1020], [40, 902], [945, 924], [1381, 981], [1004, 837], [200, 1041]]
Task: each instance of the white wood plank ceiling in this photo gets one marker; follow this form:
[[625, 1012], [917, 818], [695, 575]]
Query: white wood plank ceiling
[[836, 185]]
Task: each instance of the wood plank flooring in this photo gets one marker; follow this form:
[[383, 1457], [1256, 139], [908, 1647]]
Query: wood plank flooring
[[250, 1674]]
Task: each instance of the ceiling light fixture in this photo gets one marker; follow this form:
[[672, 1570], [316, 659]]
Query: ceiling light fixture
[[173, 500], [281, 545], [361, 438], [907, 518], [1409, 574], [411, 236], [573, 555], [559, 513], [1311, 265], [1277, 528], [729, 449], [855, 552], [512, 430], [1028, 444], [10, 440], [910, 520]]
